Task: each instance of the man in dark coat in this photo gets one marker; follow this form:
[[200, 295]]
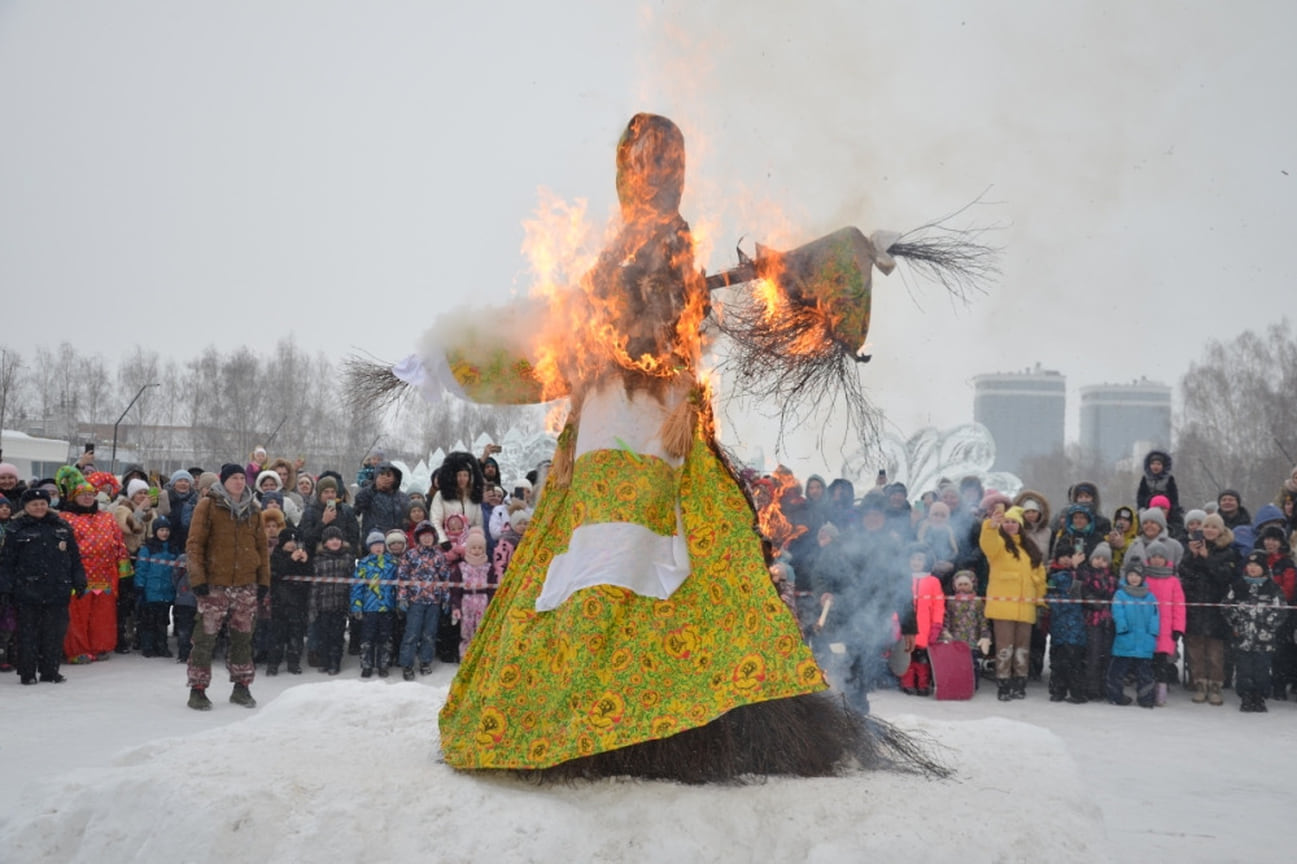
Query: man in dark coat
[[382, 505], [40, 569]]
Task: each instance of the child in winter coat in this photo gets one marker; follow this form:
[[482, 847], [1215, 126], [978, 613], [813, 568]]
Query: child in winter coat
[[289, 600], [1255, 611], [1272, 541], [425, 588], [930, 612], [373, 600], [155, 586], [329, 599], [1066, 628], [1136, 626], [476, 587], [1161, 578], [1098, 578], [966, 620]]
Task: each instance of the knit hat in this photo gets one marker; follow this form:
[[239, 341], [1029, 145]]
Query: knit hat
[[1195, 516], [517, 517], [8, 469], [272, 495], [136, 485], [181, 474], [1031, 504], [326, 482], [160, 521], [964, 576], [1014, 514], [1260, 559], [290, 535], [5, 502], [206, 481], [1157, 549], [35, 494], [1233, 493], [1103, 552], [229, 469], [1160, 501], [1153, 514], [396, 535], [374, 537], [1268, 513], [424, 527], [331, 532]]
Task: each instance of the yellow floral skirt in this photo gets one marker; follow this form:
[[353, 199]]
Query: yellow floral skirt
[[610, 668]]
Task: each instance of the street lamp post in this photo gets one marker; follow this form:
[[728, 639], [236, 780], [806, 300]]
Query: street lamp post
[[136, 398]]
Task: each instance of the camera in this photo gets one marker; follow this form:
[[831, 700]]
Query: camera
[[1196, 537]]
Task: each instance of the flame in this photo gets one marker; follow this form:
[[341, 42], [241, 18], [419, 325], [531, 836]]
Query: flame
[[771, 495]]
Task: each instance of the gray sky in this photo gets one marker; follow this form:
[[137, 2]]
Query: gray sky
[[182, 174]]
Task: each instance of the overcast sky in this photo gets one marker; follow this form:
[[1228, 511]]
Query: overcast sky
[[184, 174]]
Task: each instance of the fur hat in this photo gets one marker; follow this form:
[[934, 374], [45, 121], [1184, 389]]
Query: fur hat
[[375, 537], [1103, 552], [992, 498], [273, 517], [1153, 514], [229, 469], [269, 475], [517, 517], [396, 535], [136, 485]]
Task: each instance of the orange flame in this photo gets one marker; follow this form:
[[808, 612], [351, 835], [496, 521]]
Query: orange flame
[[772, 495]]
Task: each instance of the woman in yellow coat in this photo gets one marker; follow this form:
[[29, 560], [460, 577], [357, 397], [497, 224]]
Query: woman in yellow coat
[[1015, 588]]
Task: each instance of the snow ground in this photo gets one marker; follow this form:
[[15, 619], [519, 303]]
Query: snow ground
[[111, 766]]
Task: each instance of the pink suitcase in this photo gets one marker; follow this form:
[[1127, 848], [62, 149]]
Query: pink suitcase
[[952, 670]]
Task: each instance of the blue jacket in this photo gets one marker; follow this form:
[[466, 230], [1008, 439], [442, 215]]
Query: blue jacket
[[1137, 624], [369, 596], [1066, 619], [154, 573]]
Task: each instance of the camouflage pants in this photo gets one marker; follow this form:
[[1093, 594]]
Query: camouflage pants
[[239, 606]]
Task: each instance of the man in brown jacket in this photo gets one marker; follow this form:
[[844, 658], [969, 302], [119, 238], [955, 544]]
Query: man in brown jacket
[[229, 571]]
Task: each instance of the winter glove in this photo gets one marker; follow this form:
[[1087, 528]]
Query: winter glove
[[262, 591], [984, 645], [201, 590]]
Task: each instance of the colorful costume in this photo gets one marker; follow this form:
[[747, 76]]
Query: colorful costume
[[637, 612], [92, 618]]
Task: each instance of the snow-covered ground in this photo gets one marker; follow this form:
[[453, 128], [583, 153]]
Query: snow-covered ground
[[111, 766]]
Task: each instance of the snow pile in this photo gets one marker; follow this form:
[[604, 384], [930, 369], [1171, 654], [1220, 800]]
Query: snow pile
[[346, 770]]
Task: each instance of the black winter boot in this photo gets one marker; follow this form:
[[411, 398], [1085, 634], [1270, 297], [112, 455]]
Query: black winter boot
[[198, 699], [407, 673], [1019, 688], [240, 696], [1005, 689]]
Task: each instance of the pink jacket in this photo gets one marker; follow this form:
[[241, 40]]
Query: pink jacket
[[1170, 608]]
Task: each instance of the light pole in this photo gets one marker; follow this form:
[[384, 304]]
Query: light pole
[[113, 469]]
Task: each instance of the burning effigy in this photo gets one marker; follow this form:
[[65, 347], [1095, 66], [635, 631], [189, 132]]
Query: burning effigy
[[637, 631]]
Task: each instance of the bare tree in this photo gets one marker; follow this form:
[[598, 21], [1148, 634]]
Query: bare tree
[[1239, 424], [11, 364]]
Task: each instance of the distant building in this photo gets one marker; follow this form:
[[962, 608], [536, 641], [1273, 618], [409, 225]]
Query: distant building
[[1025, 413], [1119, 419]]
